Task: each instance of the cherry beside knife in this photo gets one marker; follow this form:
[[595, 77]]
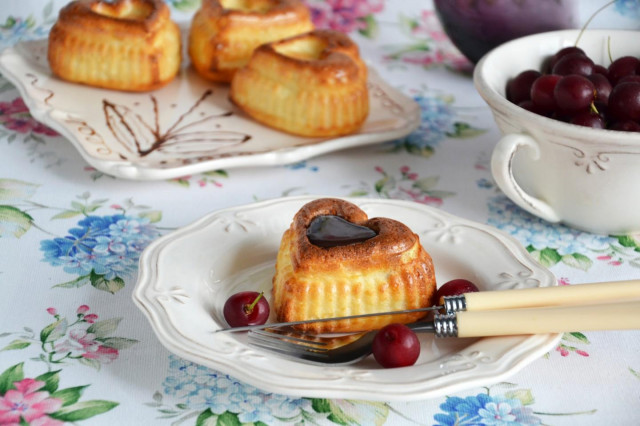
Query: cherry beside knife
[[609, 294]]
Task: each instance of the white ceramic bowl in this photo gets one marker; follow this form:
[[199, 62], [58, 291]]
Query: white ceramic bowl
[[586, 178]]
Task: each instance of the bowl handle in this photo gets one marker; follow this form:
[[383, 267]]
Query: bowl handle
[[502, 170]]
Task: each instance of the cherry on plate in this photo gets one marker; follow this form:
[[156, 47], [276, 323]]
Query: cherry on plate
[[396, 345], [246, 308], [455, 288]]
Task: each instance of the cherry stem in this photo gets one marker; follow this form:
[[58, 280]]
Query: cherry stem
[[249, 309], [586, 24]]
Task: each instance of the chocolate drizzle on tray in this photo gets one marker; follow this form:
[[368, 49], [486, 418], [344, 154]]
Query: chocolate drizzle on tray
[[187, 135]]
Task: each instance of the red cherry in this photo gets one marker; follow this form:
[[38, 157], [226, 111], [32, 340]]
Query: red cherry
[[603, 87], [626, 126], [560, 54], [599, 69], [542, 91], [588, 119], [530, 106], [574, 93], [246, 308], [573, 63], [622, 67], [455, 288], [396, 345], [624, 102], [519, 88]]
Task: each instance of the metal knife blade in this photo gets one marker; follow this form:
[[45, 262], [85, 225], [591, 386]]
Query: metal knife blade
[[310, 321]]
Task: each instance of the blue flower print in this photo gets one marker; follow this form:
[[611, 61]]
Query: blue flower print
[[436, 122], [558, 242], [628, 8], [484, 409], [102, 249], [201, 388]]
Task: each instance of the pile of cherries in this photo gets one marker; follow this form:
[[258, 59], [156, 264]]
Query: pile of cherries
[[572, 88]]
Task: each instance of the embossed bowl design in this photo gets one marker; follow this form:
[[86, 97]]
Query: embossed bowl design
[[586, 178], [186, 276]]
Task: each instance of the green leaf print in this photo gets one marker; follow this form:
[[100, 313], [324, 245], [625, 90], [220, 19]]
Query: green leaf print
[[383, 185], [102, 329], [523, 395], [54, 331], [69, 396], [207, 418], [628, 241], [51, 381], [464, 130], [415, 149], [154, 216], [10, 376], [14, 221], [185, 5], [426, 184], [101, 283], [48, 9], [83, 410], [118, 343], [576, 337], [16, 344], [67, 214], [351, 412], [577, 260], [8, 23], [547, 257], [370, 29], [228, 419], [216, 173], [14, 190], [320, 405], [93, 363], [77, 283]]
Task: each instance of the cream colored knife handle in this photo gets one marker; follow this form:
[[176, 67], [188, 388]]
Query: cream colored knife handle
[[577, 294], [613, 316]]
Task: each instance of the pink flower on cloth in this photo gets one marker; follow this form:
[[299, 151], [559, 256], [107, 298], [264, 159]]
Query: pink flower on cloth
[[25, 402], [343, 15], [428, 26], [82, 309], [15, 106], [81, 343], [102, 354], [15, 116]]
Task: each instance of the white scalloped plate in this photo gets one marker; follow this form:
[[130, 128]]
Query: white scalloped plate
[[187, 127], [186, 276]]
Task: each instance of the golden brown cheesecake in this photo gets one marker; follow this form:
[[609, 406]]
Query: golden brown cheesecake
[[130, 45], [224, 33], [313, 84], [389, 270]]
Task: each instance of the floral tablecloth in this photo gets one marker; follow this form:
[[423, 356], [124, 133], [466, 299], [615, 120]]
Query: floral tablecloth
[[75, 349]]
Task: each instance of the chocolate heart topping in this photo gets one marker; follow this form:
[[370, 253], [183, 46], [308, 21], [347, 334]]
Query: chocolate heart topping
[[331, 231]]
